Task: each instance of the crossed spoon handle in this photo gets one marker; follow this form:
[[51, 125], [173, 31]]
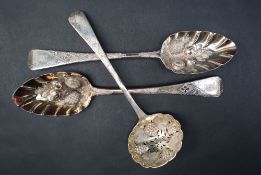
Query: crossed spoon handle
[[42, 59], [81, 24], [207, 87]]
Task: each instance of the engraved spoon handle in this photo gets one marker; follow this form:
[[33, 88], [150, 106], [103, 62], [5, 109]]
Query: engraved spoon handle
[[207, 87], [81, 24], [42, 59]]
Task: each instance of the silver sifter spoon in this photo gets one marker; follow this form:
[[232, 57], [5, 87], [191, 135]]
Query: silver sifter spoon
[[186, 52], [68, 93], [156, 138]]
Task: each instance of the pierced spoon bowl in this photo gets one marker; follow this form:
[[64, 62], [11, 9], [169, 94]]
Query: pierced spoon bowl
[[155, 140]]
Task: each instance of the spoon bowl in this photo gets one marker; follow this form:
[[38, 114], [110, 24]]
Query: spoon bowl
[[155, 140], [192, 52], [54, 94]]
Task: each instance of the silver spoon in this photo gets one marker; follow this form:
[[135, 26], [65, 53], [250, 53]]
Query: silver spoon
[[68, 93], [156, 138], [186, 52]]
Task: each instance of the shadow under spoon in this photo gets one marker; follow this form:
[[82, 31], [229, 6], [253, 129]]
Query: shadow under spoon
[[68, 93], [156, 138], [185, 52]]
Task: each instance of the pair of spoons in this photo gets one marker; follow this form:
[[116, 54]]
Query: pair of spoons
[[156, 138]]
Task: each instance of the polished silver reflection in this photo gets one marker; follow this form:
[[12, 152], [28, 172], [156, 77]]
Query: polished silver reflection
[[158, 148], [186, 52]]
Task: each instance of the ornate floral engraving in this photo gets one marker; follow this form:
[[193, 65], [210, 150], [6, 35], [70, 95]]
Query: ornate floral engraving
[[190, 89], [207, 87]]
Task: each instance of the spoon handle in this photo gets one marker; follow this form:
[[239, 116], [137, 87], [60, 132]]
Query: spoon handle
[[207, 87], [81, 24], [42, 59]]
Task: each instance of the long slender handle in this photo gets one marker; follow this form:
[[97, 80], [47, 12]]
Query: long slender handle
[[42, 59], [207, 87], [81, 24]]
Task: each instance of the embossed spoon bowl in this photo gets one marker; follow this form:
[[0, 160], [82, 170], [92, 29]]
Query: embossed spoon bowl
[[186, 52], [156, 138], [68, 93]]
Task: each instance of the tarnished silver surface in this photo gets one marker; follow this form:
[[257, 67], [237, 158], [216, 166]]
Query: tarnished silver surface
[[155, 140], [186, 52], [42, 59], [156, 146], [191, 52], [54, 94], [68, 93], [81, 24], [207, 87]]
